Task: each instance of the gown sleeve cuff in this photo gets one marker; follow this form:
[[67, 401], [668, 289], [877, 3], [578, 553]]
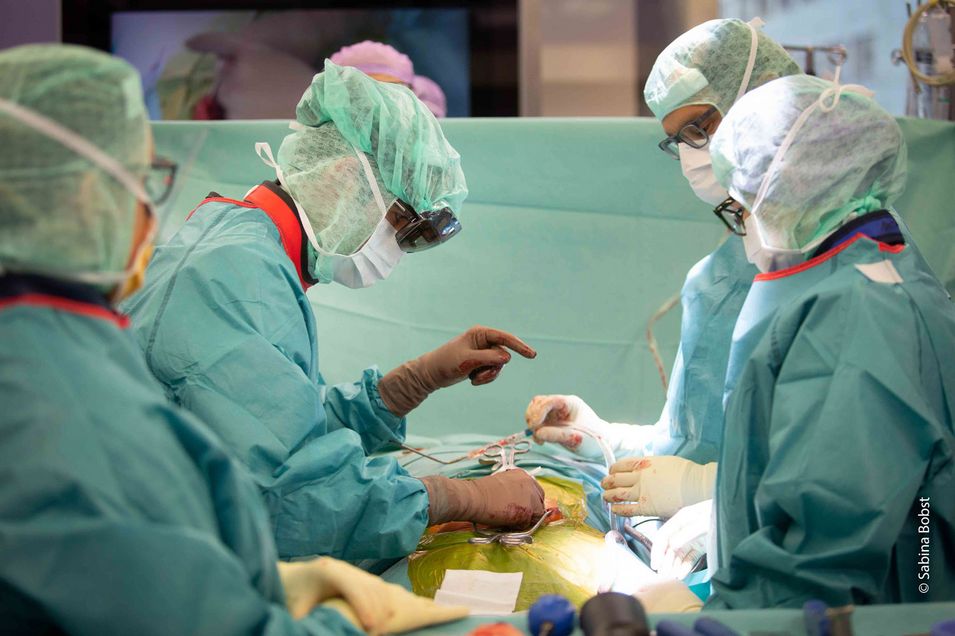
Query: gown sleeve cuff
[[396, 425]]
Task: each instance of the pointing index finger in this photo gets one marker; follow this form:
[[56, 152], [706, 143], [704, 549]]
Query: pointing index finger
[[502, 338]]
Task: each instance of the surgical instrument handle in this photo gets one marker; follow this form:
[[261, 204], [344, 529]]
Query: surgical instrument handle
[[614, 614]]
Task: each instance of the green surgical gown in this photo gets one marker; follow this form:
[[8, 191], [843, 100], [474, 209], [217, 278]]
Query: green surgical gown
[[119, 512], [226, 327], [691, 424], [839, 436]]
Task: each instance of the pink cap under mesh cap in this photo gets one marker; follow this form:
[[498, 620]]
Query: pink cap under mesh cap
[[375, 57], [431, 94]]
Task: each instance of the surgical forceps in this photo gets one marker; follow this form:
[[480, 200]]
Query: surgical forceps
[[501, 457], [510, 539], [510, 439]]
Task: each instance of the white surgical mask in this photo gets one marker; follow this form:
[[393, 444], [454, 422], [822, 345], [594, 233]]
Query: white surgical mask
[[698, 169], [696, 164], [375, 259], [767, 259], [83, 147]]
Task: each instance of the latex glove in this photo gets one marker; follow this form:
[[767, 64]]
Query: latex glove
[[680, 542], [668, 597], [553, 418], [479, 349], [308, 583], [406, 611], [508, 499], [657, 486]]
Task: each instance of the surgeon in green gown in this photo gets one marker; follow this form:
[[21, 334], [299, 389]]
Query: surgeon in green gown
[[121, 513], [838, 458], [366, 177], [693, 84]]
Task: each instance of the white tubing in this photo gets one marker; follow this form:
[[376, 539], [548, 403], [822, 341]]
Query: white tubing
[[609, 459]]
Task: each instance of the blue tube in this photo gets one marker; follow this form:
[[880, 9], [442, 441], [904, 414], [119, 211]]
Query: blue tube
[[710, 627], [672, 628], [551, 615], [817, 621]]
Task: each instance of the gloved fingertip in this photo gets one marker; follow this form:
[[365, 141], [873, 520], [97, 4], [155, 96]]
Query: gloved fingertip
[[573, 441], [630, 464], [485, 376], [480, 375], [524, 349], [624, 510], [368, 622]]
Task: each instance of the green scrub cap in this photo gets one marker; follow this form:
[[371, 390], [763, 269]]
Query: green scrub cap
[[706, 65], [415, 161], [60, 212], [803, 154]]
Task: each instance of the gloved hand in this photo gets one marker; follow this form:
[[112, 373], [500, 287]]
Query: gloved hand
[[504, 500], [308, 583], [406, 611], [657, 486], [478, 349], [553, 418], [681, 542], [668, 597]]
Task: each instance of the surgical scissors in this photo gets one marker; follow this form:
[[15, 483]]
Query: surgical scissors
[[510, 539]]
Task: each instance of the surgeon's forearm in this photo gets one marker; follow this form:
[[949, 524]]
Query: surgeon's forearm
[[630, 440], [405, 387], [360, 407], [324, 478], [701, 485], [509, 498], [448, 499]]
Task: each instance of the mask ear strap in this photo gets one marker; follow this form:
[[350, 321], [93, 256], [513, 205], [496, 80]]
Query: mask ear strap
[[778, 157], [79, 145], [372, 182], [753, 24], [82, 147], [264, 151], [834, 94]]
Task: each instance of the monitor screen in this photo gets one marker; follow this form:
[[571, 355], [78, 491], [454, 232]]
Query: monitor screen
[[255, 64]]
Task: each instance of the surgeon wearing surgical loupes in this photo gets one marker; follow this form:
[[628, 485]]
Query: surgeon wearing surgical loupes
[[839, 443], [365, 177], [668, 468]]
